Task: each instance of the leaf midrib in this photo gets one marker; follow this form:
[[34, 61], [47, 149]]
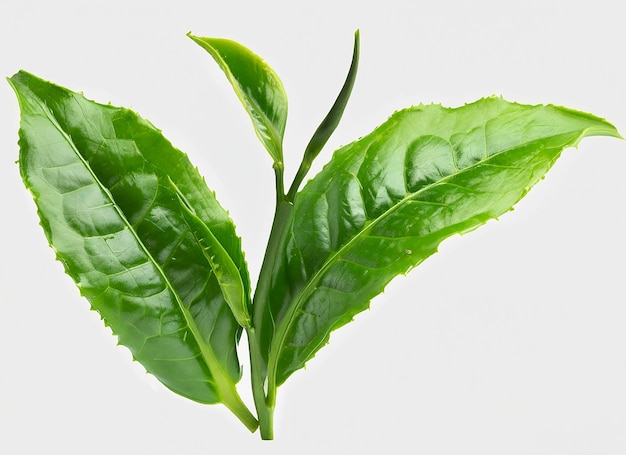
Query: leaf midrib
[[283, 328]]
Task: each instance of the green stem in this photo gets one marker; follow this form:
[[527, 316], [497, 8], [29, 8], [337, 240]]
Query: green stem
[[280, 184], [265, 407], [264, 413], [232, 400], [305, 165]]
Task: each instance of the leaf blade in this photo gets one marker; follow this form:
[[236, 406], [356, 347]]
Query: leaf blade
[[257, 86], [225, 270], [99, 176], [384, 203], [330, 122]]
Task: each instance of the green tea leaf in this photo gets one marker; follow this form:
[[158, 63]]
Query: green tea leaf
[[330, 122], [384, 204], [257, 86], [107, 186], [225, 270]]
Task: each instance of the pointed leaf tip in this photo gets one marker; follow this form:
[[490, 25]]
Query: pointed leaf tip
[[330, 122]]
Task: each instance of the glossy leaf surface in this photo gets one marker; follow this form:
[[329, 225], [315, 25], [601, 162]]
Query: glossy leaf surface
[[384, 204], [258, 87], [227, 274], [107, 186]]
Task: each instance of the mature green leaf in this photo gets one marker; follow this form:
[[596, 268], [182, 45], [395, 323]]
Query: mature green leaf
[[258, 87], [108, 185], [384, 204]]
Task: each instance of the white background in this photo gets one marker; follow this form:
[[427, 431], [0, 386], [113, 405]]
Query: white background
[[511, 340]]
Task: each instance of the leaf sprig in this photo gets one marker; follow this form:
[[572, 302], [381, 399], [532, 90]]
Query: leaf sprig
[[150, 247]]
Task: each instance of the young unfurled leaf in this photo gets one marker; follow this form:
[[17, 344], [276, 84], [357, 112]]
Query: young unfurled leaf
[[258, 87], [384, 204], [330, 122], [101, 178]]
